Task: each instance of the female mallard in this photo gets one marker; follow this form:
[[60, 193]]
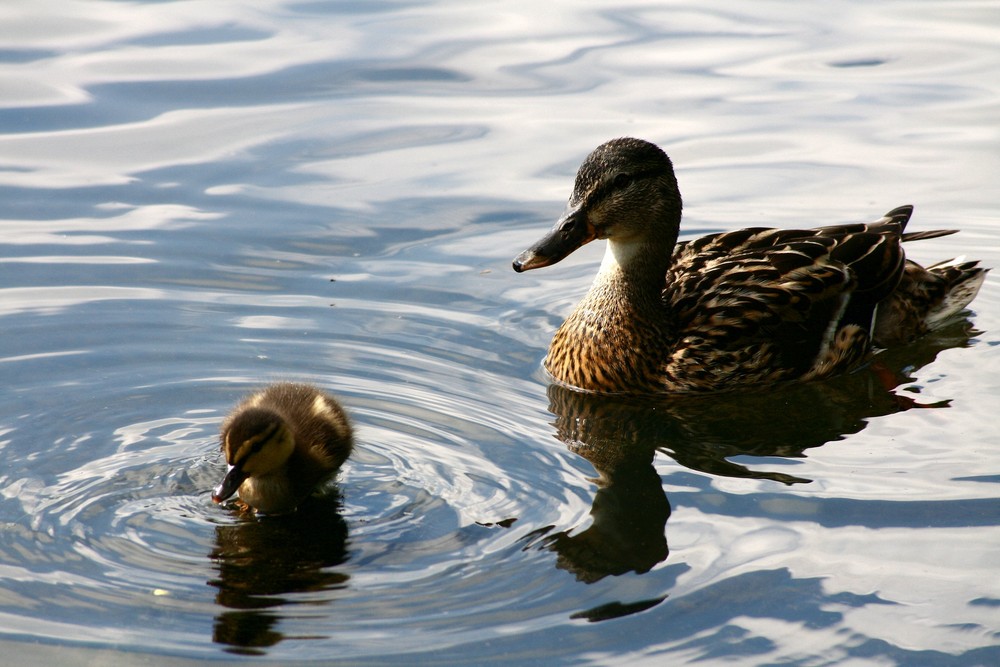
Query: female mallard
[[750, 307], [280, 444]]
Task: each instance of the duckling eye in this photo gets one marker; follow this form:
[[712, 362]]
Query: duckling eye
[[623, 180]]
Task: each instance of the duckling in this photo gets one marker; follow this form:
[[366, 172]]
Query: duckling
[[736, 309], [281, 443]]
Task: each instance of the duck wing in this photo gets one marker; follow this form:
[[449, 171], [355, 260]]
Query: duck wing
[[763, 305]]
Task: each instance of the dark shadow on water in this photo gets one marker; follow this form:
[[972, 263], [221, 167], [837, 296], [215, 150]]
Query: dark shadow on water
[[262, 562], [629, 511], [620, 436]]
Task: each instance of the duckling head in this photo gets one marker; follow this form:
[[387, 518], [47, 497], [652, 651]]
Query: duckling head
[[626, 192], [256, 442]]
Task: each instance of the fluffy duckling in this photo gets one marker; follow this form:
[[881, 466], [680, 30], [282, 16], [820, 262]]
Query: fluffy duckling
[[281, 443], [750, 307]]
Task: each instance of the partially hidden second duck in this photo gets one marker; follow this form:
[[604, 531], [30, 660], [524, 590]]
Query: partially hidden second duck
[[281, 443], [736, 309]]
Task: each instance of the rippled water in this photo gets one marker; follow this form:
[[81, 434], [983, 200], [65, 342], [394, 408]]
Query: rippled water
[[200, 197]]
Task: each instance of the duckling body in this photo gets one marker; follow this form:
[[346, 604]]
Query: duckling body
[[281, 443], [751, 307]]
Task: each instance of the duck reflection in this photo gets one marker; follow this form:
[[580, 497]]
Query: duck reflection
[[620, 435], [262, 560], [630, 509]]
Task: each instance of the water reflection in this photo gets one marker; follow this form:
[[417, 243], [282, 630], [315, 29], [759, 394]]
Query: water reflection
[[264, 562], [630, 509], [620, 436]]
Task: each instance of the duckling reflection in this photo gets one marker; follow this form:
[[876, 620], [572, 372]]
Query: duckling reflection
[[620, 435], [262, 563]]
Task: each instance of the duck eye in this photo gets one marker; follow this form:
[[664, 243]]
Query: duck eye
[[623, 180]]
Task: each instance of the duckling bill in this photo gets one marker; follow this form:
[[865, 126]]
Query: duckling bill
[[752, 307], [281, 443]]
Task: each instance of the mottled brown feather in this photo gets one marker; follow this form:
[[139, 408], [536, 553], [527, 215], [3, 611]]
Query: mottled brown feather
[[748, 307]]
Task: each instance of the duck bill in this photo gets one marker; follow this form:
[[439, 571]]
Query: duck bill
[[229, 484], [572, 231]]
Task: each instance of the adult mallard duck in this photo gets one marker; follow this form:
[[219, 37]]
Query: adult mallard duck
[[750, 307], [281, 443]]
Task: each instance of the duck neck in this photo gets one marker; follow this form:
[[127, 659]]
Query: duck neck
[[632, 274], [607, 343]]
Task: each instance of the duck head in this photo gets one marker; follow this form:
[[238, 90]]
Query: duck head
[[256, 442], [626, 192]]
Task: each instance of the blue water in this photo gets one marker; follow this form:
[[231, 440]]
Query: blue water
[[203, 197]]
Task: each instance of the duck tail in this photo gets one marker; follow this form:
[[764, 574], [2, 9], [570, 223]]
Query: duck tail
[[963, 280], [901, 216], [926, 299], [930, 234]]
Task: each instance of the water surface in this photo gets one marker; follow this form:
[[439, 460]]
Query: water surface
[[202, 197]]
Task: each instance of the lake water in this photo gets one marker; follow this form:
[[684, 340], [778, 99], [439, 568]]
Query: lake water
[[200, 197]]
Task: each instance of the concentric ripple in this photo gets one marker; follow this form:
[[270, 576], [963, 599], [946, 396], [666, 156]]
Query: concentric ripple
[[200, 202], [438, 502]]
